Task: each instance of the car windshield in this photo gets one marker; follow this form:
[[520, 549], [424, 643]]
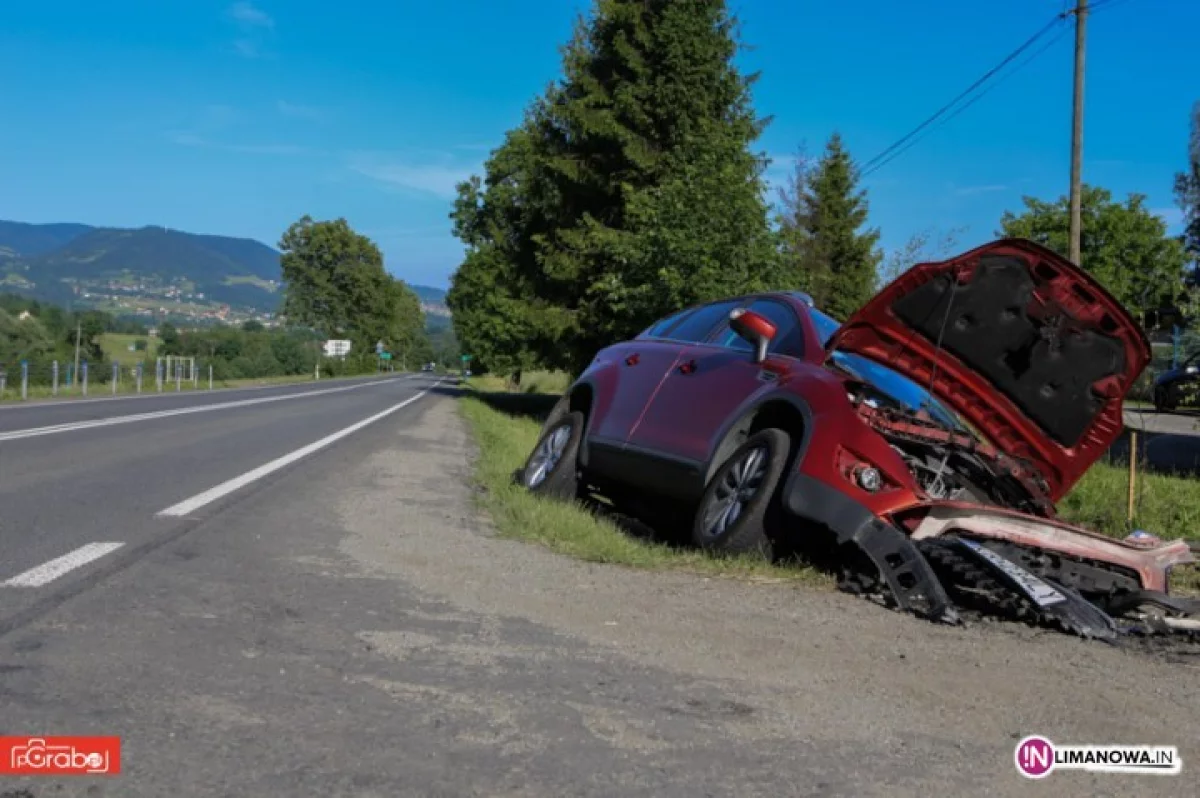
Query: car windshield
[[899, 388]]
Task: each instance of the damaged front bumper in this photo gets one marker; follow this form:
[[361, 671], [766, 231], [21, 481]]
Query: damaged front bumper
[[936, 556]]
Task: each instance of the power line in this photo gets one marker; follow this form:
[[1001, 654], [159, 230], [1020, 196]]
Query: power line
[[907, 141], [980, 81], [876, 164]]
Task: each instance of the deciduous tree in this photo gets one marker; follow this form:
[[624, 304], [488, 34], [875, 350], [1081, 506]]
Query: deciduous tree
[[1124, 246], [335, 282], [1187, 195], [924, 246]]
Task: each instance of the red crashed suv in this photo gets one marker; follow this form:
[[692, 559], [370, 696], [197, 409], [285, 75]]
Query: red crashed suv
[[956, 407]]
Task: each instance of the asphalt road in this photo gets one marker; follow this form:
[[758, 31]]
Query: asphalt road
[[85, 480], [347, 625]]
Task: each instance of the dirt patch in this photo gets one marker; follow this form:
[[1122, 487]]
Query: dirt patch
[[802, 663]]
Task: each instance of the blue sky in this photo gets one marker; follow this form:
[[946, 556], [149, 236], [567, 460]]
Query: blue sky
[[237, 118]]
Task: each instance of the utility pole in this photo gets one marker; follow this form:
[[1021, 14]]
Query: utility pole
[[77, 331], [1081, 11]]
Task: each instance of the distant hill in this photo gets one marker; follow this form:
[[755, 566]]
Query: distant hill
[[150, 271], [36, 239], [426, 294]]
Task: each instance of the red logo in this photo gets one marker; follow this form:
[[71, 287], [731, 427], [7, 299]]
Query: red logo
[[60, 756]]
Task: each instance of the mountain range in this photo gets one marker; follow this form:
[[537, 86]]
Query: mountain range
[[150, 271]]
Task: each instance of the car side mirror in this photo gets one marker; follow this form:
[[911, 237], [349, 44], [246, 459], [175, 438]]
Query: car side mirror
[[753, 328]]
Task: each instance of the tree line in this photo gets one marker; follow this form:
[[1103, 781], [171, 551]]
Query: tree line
[[630, 189]]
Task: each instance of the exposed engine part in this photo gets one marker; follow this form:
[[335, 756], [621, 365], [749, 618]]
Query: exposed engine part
[[952, 463]]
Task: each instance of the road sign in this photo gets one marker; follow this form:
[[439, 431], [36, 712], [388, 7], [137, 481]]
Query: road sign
[[467, 358], [379, 347], [385, 355]]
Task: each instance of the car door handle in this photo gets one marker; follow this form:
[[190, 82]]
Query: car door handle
[[688, 367], [633, 359]]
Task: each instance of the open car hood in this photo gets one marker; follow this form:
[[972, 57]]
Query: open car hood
[[1034, 353]]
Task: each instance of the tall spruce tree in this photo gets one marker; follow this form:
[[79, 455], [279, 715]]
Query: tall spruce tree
[[799, 267], [636, 193], [842, 260]]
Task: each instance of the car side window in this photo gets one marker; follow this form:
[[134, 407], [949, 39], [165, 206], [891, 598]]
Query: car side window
[[697, 326], [789, 336], [659, 328]]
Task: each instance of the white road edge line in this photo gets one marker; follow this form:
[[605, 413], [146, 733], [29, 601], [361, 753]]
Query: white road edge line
[[225, 488], [49, 571], [69, 401], [73, 426]]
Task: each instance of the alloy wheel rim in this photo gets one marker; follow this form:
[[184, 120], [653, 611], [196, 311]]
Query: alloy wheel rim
[[736, 489], [546, 456]]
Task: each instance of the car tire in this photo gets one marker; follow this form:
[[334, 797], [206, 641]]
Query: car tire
[[552, 469], [1162, 400], [732, 515]]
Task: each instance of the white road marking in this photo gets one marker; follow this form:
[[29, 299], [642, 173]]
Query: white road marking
[[73, 426], [225, 488], [49, 571], [70, 401]]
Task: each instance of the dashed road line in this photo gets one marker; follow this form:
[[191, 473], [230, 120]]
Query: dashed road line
[[49, 571], [225, 488]]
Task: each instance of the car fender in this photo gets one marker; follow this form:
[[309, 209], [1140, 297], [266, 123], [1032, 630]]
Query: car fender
[[724, 441]]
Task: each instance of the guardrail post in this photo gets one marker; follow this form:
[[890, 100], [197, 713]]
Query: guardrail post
[[158, 375], [210, 376], [116, 378], [24, 380], [3, 381], [138, 376], [178, 379], [54, 378], [83, 377]]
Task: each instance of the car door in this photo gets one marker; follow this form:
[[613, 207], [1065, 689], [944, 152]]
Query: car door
[[639, 367], [714, 377]]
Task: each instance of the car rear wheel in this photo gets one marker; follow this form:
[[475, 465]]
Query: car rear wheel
[[731, 517], [1163, 400], [552, 468]]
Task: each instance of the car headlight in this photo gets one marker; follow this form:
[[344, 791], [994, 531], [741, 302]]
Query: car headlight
[[868, 478]]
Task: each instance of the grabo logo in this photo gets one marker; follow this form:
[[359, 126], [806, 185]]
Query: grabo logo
[[58, 756]]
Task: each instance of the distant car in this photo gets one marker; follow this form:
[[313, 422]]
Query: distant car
[[1171, 386], [427, 367], [933, 431]]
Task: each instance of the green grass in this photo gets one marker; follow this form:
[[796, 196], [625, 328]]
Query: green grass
[[506, 438], [506, 423], [116, 348], [1164, 504]]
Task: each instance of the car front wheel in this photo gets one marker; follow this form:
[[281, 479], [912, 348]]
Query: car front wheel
[[731, 517], [552, 468]]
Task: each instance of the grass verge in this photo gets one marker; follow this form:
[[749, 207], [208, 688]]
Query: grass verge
[[506, 436], [506, 422]]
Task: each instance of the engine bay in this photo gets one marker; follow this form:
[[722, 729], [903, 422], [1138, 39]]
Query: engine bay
[[951, 463]]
